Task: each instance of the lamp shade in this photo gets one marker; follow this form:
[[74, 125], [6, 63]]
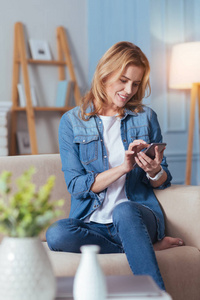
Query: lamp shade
[[185, 65]]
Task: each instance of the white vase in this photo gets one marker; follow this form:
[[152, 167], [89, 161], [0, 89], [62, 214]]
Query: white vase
[[25, 270], [89, 281]]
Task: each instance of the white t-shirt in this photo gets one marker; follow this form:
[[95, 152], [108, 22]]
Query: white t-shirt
[[115, 150]]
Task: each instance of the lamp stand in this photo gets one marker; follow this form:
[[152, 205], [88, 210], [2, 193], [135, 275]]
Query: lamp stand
[[195, 96]]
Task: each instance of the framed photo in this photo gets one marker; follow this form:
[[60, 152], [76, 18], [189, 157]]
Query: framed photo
[[23, 142], [39, 49]]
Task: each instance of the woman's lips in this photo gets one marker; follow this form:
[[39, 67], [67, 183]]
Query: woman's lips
[[123, 97]]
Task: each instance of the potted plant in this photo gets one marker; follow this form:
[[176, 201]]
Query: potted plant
[[26, 272]]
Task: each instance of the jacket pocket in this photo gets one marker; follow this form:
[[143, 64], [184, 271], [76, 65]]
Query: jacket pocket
[[88, 148], [138, 133]]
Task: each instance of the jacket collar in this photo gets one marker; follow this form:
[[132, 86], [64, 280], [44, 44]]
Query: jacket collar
[[127, 112]]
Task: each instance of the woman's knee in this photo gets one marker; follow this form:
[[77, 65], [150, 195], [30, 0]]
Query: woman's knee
[[55, 234], [125, 209]]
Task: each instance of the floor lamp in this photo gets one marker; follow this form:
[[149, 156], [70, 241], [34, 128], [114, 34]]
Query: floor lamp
[[185, 74]]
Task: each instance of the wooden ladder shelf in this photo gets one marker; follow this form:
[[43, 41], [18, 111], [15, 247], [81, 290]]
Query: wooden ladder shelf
[[20, 59]]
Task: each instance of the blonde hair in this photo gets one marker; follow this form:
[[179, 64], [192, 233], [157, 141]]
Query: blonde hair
[[116, 59]]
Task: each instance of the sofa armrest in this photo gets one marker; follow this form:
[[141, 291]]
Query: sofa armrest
[[181, 206]]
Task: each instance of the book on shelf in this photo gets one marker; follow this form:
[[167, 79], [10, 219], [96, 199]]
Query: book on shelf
[[22, 98], [3, 151], [3, 141], [3, 120], [5, 107], [64, 90], [3, 131]]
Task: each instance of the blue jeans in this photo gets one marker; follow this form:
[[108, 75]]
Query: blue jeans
[[133, 231]]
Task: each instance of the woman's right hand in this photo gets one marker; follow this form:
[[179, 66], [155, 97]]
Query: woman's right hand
[[134, 148], [104, 179]]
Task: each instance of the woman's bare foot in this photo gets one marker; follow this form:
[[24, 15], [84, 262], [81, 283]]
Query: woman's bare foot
[[168, 242]]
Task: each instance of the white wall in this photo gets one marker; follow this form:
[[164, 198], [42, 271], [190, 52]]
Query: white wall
[[41, 17]]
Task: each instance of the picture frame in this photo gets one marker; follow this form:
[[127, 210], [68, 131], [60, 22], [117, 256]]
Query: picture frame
[[23, 142], [39, 49]]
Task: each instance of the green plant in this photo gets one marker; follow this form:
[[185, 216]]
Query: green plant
[[26, 212]]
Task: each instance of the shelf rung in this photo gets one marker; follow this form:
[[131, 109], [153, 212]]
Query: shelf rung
[[55, 108], [44, 108], [45, 62]]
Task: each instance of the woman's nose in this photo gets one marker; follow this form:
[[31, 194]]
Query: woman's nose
[[128, 89]]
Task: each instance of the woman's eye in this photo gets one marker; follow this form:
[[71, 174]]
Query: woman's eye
[[123, 80]]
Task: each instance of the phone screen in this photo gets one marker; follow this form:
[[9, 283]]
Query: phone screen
[[150, 151]]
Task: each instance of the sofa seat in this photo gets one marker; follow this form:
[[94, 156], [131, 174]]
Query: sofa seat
[[172, 262]]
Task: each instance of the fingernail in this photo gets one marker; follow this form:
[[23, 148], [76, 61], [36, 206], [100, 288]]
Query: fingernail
[[180, 243]]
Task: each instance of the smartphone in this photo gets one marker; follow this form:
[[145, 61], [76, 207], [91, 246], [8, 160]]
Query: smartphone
[[150, 151]]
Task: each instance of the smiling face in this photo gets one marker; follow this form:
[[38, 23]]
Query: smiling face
[[120, 90]]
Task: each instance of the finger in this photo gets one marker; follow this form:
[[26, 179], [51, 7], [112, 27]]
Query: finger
[[158, 156], [138, 162], [136, 143], [145, 157], [143, 160], [142, 146], [129, 152], [140, 141], [147, 164], [159, 153]]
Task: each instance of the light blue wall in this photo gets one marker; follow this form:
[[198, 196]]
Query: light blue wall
[[110, 21], [155, 26]]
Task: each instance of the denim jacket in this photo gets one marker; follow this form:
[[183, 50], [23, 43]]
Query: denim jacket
[[83, 155]]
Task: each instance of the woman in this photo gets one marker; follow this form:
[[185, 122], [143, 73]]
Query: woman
[[113, 204]]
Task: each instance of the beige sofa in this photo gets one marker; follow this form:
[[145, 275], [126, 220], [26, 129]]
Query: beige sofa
[[180, 267]]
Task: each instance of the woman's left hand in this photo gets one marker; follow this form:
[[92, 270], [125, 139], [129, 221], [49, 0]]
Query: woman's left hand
[[150, 166]]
